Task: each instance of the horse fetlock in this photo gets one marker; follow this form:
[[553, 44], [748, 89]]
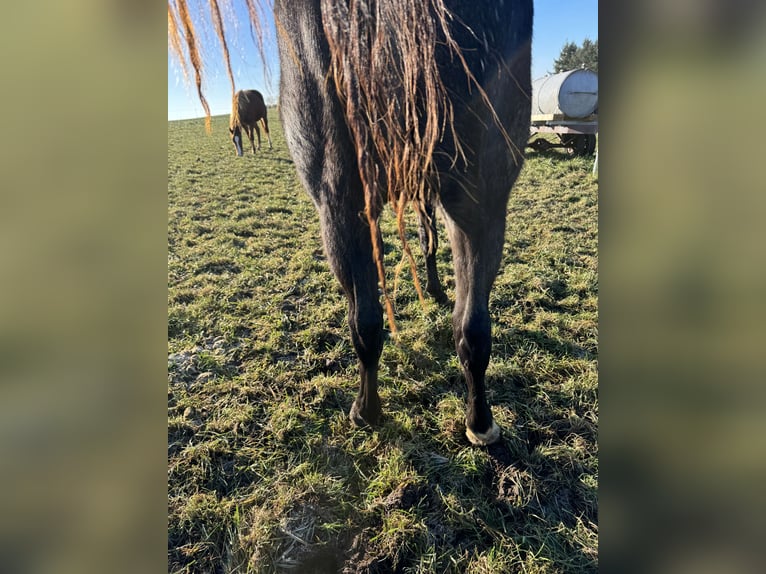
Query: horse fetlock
[[492, 435], [434, 289]]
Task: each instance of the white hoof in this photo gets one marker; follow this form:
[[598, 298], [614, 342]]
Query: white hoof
[[483, 439]]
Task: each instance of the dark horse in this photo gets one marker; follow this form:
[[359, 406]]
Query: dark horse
[[247, 109], [426, 103]]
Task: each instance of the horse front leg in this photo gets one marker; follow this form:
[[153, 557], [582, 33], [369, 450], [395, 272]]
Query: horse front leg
[[429, 248]]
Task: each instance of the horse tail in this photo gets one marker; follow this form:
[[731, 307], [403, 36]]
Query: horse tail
[[397, 107], [386, 58], [179, 11], [215, 11], [234, 117]]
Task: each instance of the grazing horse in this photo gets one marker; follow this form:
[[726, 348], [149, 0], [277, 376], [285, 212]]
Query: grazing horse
[[247, 109], [421, 103]]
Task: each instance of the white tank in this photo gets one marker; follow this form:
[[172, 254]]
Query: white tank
[[573, 94]]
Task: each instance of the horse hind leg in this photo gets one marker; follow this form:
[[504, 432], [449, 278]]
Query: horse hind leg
[[333, 182], [365, 322], [476, 249], [266, 129], [348, 247], [330, 174], [472, 333], [258, 133]]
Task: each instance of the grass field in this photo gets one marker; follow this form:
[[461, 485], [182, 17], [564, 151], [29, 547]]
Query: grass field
[[265, 471]]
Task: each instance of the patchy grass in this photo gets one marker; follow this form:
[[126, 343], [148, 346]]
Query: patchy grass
[[266, 473]]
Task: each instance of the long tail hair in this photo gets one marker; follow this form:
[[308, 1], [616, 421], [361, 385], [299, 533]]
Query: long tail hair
[[234, 120], [384, 66]]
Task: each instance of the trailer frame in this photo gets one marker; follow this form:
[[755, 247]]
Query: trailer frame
[[576, 135]]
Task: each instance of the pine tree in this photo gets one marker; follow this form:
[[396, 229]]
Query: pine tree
[[574, 57]]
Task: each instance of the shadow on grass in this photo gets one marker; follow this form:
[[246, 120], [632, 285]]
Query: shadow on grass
[[530, 486], [557, 348], [556, 154]]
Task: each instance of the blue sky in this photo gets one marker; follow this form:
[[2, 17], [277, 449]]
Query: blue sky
[[556, 23]]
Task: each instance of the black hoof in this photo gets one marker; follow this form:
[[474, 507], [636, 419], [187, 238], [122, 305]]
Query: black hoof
[[360, 418], [441, 298], [437, 294]]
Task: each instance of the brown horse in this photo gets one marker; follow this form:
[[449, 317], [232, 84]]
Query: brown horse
[[421, 103], [247, 109]]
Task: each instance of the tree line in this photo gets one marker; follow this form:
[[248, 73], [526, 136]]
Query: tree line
[[573, 57]]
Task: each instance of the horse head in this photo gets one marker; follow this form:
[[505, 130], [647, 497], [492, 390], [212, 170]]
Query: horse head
[[236, 137]]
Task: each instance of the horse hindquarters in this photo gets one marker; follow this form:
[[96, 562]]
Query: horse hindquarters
[[324, 156]]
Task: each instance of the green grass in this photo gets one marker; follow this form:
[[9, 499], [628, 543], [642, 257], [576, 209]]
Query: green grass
[[266, 473]]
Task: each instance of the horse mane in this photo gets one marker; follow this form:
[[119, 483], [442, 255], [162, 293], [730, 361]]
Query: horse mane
[[395, 100]]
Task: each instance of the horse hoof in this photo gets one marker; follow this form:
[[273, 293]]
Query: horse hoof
[[441, 298], [484, 439], [361, 420]]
